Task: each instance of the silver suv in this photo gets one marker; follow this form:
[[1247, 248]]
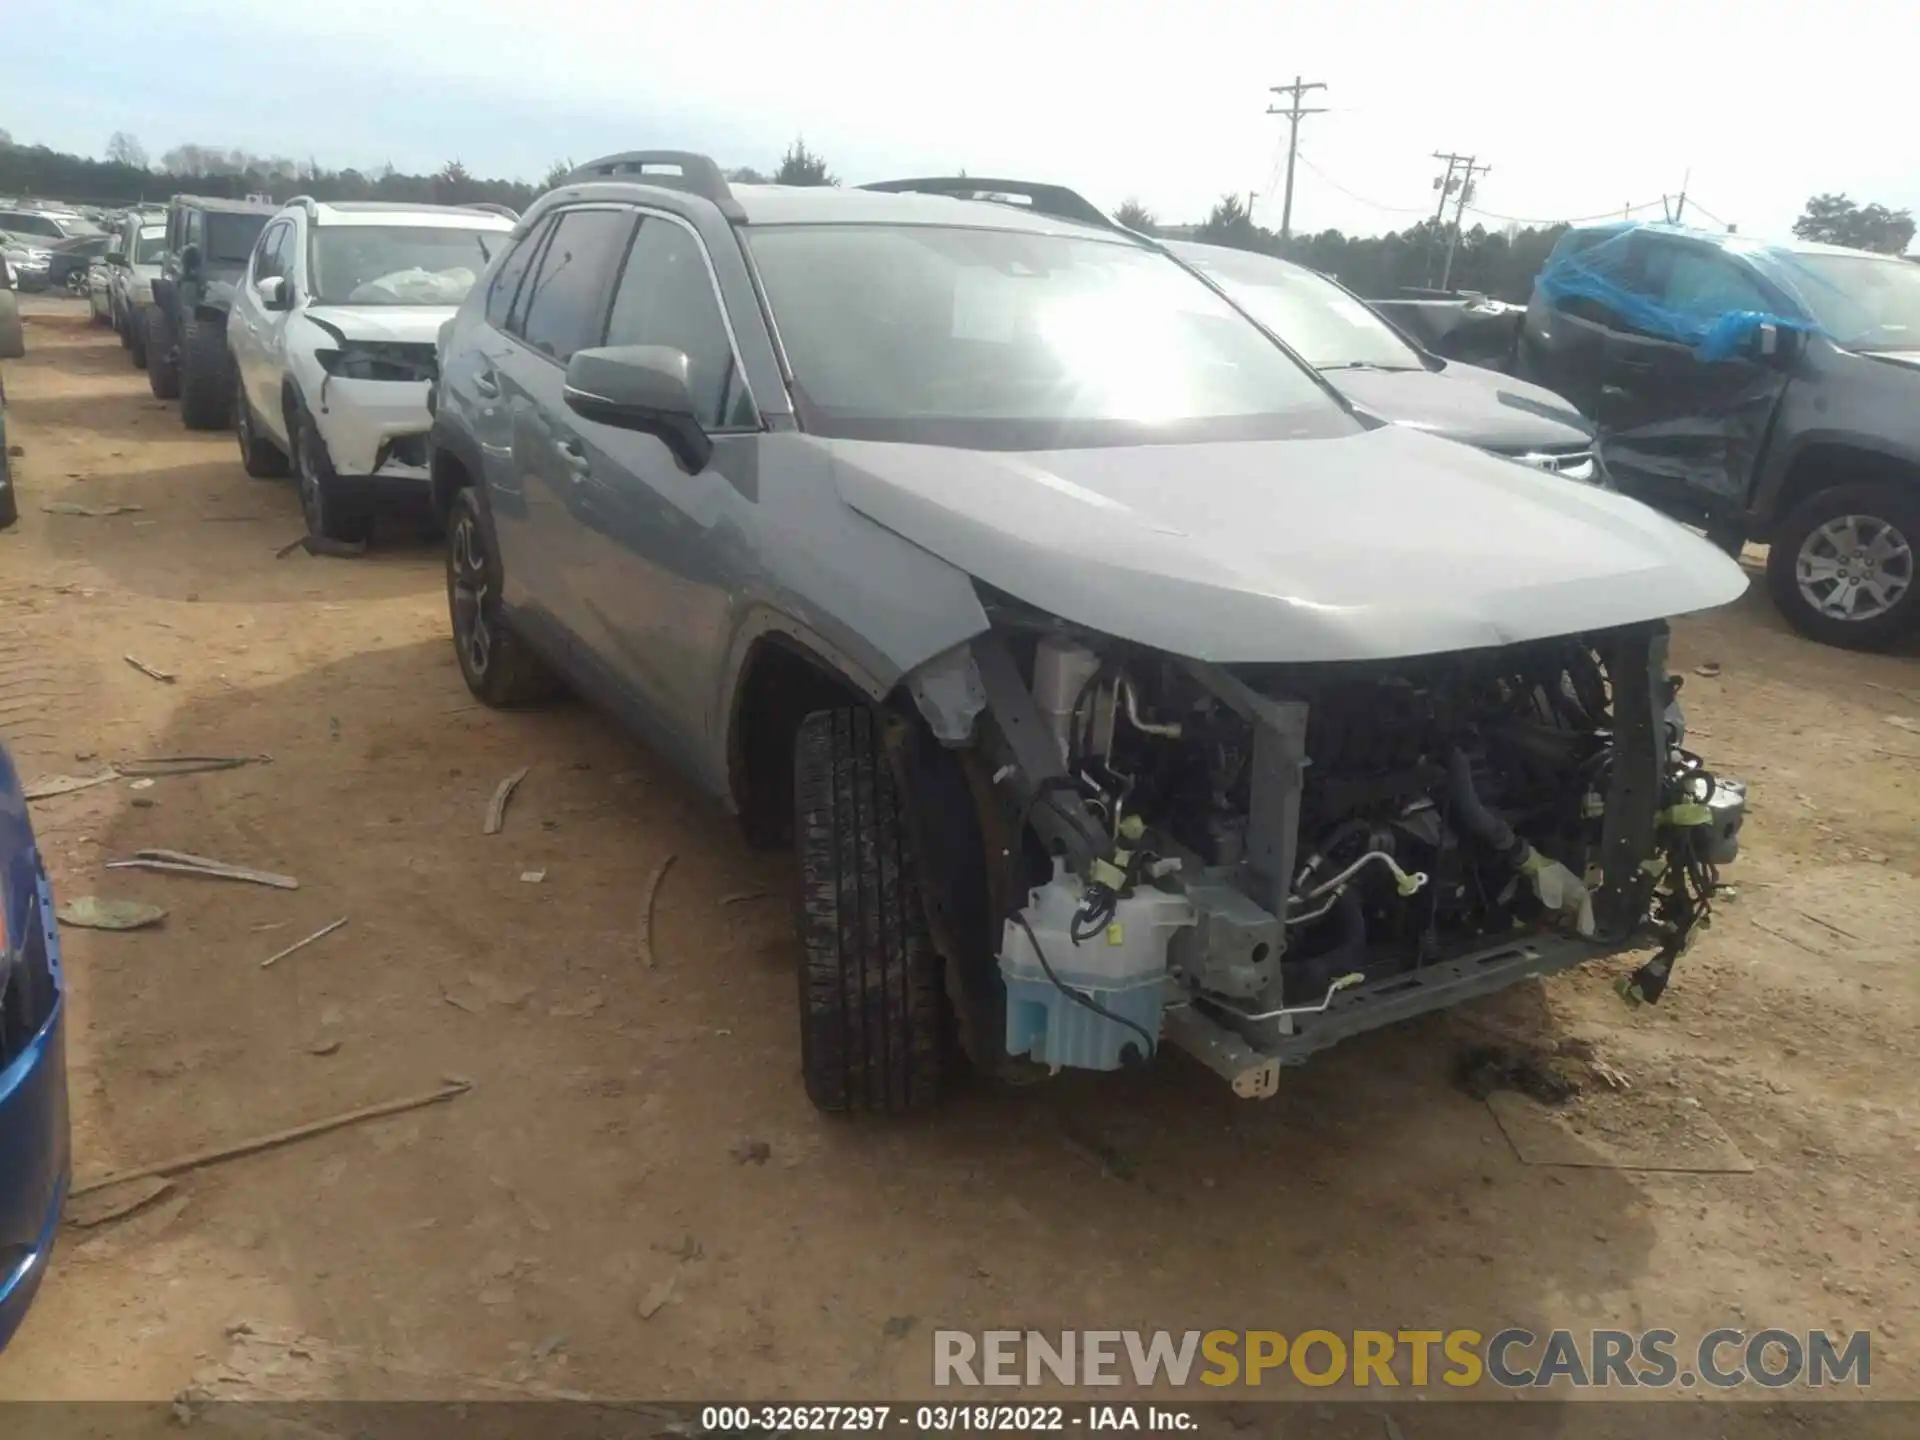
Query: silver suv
[[1118, 684]]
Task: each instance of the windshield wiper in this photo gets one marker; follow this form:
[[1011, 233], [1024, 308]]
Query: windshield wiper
[[1368, 365]]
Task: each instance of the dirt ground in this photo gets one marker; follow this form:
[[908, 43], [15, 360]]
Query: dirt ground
[[630, 1126]]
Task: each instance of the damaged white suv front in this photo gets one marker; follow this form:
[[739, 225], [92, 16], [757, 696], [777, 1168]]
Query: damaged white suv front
[[332, 333]]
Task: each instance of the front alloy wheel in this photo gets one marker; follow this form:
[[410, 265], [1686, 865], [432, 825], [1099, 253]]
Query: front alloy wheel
[[1841, 566], [497, 665], [1854, 567]]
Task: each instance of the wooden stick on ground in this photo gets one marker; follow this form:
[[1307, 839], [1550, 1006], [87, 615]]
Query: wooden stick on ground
[[148, 670], [321, 933], [646, 913], [202, 1158], [66, 784], [497, 809], [179, 862]]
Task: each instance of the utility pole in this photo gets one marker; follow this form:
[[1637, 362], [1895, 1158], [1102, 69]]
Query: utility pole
[[1468, 171], [1444, 184], [1681, 209], [1293, 112]]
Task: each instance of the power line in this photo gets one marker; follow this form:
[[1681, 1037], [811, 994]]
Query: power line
[[1467, 172], [1293, 113], [1351, 195], [1618, 210]]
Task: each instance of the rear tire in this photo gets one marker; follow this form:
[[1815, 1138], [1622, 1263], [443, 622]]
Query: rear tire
[[136, 338], [1889, 522], [872, 1008], [163, 366], [9, 502], [206, 376], [501, 669]]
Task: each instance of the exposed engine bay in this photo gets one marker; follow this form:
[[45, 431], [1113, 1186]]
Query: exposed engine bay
[[1255, 861]]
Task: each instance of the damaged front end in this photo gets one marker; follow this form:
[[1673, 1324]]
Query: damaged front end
[[1253, 862], [371, 401]]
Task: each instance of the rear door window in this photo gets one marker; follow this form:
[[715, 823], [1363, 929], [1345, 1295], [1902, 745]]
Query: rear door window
[[566, 308], [1703, 282]]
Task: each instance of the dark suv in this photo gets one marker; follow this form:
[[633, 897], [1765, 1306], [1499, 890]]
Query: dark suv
[[1764, 391], [208, 245], [1118, 683]]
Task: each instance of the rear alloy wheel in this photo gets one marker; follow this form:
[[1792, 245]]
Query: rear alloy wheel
[[328, 515], [163, 366], [259, 456], [497, 664], [1841, 566], [206, 376], [873, 1010]]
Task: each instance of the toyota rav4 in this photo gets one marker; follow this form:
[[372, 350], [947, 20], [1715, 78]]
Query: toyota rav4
[[1119, 685]]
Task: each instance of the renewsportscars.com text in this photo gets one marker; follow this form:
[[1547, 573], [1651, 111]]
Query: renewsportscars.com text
[[1510, 1359]]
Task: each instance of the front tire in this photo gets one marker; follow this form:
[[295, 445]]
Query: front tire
[[163, 366], [499, 667], [872, 1007], [1841, 566], [259, 456], [328, 514], [136, 338], [206, 376]]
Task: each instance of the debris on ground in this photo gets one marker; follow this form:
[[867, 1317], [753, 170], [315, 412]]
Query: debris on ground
[[325, 1047], [751, 1152], [89, 512], [1102, 1155], [646, 909], [741, 897], [116, 1202], [1901, 722], [1708, 668], [317, 545], [1484, 1069], [163, 676], [497, 807], [91, 912], [179, 862], [587, 1004], [533, 877], [66, 784], [163, 766], [202, 1158], [651, 1303], [898, 1327], [320, 934]]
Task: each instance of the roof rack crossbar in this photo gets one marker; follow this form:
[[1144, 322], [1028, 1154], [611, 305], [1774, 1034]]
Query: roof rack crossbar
[[675, 169], [487, 207], [1055, 200]]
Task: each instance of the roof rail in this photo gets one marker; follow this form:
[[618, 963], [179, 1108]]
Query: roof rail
[[305, 202], [506, 212], [675, 169], [1055, 200]]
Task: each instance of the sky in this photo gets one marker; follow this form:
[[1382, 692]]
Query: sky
[[1581, 110]]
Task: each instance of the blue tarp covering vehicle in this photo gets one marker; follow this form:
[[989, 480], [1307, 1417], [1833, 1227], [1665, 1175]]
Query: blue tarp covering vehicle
[[35, 1151]]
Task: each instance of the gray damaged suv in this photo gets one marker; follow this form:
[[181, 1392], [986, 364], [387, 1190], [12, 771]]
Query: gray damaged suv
[[1118, 685]]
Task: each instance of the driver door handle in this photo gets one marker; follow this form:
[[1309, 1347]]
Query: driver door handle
[[576, 458], [485, 383]]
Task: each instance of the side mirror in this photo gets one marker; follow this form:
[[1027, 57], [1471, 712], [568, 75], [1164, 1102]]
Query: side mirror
[[1776, 345], [116, 257], [190, 260], [645, 388], [276, 293]]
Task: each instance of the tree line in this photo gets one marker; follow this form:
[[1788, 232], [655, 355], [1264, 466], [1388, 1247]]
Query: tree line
[[1501, 263]]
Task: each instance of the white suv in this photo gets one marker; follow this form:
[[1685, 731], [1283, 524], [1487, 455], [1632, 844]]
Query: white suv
[[332, 332]]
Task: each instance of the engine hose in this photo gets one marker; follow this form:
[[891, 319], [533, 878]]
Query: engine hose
[[1475, 818], [1308, 978]]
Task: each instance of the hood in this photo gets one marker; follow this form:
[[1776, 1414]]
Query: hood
[[1370, 546], [1465, 402], [401, 324], [1908, 358]]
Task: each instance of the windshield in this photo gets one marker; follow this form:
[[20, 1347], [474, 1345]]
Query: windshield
[[399, 264], [1005, 338], [151, 246], [1323, 323], [230, 237], [1862, 302]]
